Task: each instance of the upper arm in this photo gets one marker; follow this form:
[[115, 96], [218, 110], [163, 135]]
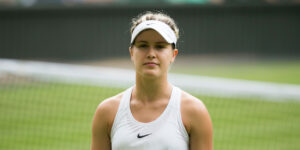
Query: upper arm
[[199, 125], [102, 123]]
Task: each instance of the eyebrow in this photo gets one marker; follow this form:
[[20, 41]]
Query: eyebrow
[[155, 42]]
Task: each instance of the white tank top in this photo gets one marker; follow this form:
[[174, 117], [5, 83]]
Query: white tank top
[[167, 132]]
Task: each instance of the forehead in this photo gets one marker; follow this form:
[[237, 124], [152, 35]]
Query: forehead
[[150, 35]]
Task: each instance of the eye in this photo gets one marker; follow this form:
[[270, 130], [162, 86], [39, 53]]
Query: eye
[[142, 46], [160, 46]]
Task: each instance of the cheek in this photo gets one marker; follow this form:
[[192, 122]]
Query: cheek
[[136, 58], [166, 59], [168, 56]]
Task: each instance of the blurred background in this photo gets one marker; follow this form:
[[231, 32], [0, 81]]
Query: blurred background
[[60, 58]]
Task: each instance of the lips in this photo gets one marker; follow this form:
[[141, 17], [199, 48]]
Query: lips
[[150, 63]]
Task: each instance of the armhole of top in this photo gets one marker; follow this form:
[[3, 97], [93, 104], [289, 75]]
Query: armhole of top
[[122, 101], [182, 127]]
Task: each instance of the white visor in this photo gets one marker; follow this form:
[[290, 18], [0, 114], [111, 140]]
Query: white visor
[[163, 29]]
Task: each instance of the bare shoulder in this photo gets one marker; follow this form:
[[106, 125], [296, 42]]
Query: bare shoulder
[[109, 107], [106, 112], [102, 122], [197, 122], [110, 102], [193, 110], [192, 104]]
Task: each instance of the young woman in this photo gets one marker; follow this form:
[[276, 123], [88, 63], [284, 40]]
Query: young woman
[[153, 114]]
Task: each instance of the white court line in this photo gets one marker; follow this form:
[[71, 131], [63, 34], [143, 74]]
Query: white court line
[[122, 78]]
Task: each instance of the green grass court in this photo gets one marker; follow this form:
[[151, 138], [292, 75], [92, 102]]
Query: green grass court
[[287, 71], [58, 116]]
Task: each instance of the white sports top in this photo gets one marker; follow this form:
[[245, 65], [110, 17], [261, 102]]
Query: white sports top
[[167, 132]]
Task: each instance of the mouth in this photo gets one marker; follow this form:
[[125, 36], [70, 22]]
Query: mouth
[[150, 64]]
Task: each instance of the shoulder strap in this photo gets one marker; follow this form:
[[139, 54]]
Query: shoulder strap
[[179, 117], [122, 107]]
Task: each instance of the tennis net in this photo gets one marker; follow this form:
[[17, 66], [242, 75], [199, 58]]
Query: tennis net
[[50, 106]]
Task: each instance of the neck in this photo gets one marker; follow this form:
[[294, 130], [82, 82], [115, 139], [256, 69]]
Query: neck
[[149, 89]]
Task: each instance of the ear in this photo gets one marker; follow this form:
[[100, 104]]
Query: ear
[[174, 54]]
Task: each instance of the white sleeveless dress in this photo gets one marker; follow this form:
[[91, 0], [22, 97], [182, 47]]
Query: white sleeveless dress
[[167, 132]]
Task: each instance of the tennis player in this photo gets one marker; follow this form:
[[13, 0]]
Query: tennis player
[[153, 114]]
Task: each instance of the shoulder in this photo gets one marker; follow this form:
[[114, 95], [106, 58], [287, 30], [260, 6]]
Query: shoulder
[[106, 111], [110, 103], [102, 122], [197, 122], [194, 112], [109, 106], [192, 105]]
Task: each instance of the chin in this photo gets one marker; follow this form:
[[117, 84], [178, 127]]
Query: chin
[[150, 74]]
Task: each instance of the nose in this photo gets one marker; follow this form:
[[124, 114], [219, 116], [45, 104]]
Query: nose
[[151, 53]]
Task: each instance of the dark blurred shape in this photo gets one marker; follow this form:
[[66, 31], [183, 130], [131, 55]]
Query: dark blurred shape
[[282, 1], [48, 2], [67, 2], [218, 2], [28, 3], [188, 1], [8, 2], [103, 31]]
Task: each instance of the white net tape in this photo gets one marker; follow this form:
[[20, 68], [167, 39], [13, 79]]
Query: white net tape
[[122, 78]]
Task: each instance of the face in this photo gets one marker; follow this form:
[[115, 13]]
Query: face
[[151, 54]]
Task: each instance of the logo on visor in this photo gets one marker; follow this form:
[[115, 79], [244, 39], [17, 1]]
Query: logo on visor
[[148, 24]]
